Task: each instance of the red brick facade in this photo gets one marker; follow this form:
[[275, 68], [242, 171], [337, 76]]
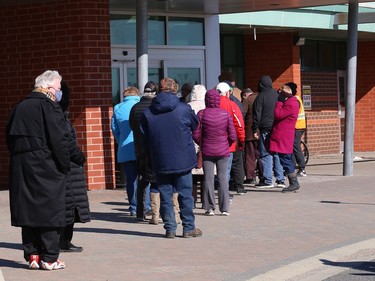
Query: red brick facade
[[72, 37], [276, 55], [364, 134]]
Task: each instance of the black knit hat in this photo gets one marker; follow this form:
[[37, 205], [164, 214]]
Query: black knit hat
[[293, 87]]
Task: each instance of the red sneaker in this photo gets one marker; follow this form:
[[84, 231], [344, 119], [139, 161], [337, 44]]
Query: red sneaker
[[34, 262]]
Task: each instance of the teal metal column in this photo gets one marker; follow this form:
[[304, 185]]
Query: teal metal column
[[142, 43], [351, 87]]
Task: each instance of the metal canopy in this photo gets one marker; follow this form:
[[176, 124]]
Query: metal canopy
[[220, 6]]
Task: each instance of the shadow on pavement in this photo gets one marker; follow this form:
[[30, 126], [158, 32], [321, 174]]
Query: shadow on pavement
[[118, 231], [10, 263], [358, 265], [349, 203]]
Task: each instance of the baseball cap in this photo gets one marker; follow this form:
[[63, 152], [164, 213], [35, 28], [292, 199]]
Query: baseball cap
[[223, 87]]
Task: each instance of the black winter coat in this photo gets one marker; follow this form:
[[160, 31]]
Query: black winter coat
[[77, 202], [264, 106], [39, 161], [143, 162]]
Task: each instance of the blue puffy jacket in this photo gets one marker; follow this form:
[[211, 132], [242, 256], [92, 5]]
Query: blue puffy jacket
[[121, 129], [167, 126]]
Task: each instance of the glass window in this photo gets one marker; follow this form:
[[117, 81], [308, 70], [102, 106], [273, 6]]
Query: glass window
[[153, 75], [185, 32], [184, 75], [341, 55], [327, 55], [309, 54], [323, 56], [123, 30], [115, 86]]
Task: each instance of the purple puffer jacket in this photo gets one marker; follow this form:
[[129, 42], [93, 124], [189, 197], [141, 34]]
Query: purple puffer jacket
[[215, 131]]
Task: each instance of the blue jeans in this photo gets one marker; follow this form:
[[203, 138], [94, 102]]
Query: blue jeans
[[230, 160], [278, 169], [287, 162], [183, 185], [269, 162], [130, 169]]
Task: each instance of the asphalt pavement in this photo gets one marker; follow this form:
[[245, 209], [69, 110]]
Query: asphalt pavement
[[326, 231]]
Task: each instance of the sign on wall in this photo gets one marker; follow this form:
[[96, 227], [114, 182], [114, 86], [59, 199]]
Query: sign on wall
[[306, 97]]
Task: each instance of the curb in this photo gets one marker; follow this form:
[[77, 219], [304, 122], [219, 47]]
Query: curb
[[322, 266]]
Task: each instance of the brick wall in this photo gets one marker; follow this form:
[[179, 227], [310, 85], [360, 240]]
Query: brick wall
[[364, 133], [323, 122], [274, 55], [72, 37]]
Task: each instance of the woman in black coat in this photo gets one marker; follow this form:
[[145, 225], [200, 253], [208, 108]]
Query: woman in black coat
[[77, 203]]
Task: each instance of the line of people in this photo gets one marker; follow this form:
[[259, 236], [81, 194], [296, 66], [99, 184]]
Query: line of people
[[158, 138], [222, 127]]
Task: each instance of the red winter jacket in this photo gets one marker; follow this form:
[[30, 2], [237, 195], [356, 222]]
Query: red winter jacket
[[235, 112]]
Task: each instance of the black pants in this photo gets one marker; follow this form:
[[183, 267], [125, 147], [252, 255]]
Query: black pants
[[237, 171], [141, 187], [298, 155], [42, 241], [66, 236]]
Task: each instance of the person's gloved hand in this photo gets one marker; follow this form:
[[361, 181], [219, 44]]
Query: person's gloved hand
[[281, 98]]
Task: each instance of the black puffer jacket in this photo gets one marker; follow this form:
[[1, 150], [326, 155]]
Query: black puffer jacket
[[77, 203]]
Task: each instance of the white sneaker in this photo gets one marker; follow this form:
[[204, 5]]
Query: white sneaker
[[209, 213], [52, 265], [302, 173], [225, 213]]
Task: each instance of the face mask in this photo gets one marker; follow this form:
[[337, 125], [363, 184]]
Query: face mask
[[58, 95]]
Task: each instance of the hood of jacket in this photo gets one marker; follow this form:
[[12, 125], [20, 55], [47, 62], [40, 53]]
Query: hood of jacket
[[164, 102], [212, 99], [265, 82], [198, 93]]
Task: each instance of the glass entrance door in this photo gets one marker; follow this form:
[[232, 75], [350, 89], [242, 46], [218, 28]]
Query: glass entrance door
[[124, 74], [184, 71]]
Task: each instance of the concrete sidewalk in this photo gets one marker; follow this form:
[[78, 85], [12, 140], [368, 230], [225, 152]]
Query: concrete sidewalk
[[324, 229]]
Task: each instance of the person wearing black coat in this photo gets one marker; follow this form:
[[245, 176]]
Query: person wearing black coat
[[37, 141], [146, 176], [263, 117], [77, 203]]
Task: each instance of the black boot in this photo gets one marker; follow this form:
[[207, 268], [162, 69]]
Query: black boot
[[293, 183]]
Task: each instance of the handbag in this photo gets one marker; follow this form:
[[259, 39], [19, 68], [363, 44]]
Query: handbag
[[199, 153]]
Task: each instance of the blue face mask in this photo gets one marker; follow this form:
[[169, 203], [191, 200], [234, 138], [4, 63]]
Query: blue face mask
[[58, 95]]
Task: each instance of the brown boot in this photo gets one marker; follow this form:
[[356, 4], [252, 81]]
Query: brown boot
[[176, 208], [155, 207]]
